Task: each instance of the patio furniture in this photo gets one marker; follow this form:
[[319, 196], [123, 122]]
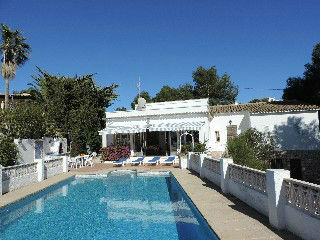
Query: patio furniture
[[94, 154], [80, 160], [88, 160], [137, 161], [73, 162], [154, 160], [121, 162], [170, 160]]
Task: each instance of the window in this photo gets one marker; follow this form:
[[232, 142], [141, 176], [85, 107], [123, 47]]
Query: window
[[217, 136]]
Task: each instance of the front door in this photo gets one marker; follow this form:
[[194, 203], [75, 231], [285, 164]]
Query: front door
[[155, 144], [295, 169]]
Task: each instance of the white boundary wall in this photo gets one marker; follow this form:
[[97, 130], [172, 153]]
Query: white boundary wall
[[288, 203], [53, 167], [253, 198], [18, 176], [211, 170]]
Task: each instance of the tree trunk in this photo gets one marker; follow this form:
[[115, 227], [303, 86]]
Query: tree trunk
[[6, 98]]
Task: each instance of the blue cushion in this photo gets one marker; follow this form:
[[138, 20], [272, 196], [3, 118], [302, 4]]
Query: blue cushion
[[170, 159], [140, 159], [154, 159]]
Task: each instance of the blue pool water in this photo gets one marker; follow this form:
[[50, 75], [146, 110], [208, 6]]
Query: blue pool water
[[117, 206]]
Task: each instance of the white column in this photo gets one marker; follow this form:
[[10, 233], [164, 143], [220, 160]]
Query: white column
[[178, 142], [202, 136], [40, 169], [65, 164], [104, 140], [169, 134], [276, 196], [1, 180], [202, 156], [224, 173], [189, 159], [131, 144]]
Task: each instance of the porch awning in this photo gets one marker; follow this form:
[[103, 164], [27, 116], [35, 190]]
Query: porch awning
[[124, 127], [177, 126], [129, 127]]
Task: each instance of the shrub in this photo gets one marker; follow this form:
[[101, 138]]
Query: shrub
[[114, 152], [252, 149], [8, 151], [198, 147]]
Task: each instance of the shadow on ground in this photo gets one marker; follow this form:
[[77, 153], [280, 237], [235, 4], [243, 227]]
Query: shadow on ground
[[242, 207]]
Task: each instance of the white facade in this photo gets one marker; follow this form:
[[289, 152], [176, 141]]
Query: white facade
[[291, 130], [32, 149], [175, 117], [294, 128]]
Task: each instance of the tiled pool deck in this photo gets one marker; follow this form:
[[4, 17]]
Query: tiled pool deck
[[228, 217]]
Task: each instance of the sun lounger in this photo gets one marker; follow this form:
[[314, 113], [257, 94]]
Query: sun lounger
[[170, 160], [154, 160], [137, 161], [121, 161]]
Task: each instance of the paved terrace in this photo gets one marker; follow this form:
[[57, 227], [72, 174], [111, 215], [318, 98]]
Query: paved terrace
[[228, 217]]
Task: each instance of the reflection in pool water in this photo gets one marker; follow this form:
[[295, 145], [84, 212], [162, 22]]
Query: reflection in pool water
[[119, 206]]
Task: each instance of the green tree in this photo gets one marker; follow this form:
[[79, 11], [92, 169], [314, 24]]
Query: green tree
[[252, 149], [256, 100], [74, 108], [121, 109], [145, 95], [219, 90], [306, 88], [15, 52], [167, 93], [185, 92], [8, 151], [25, 120]]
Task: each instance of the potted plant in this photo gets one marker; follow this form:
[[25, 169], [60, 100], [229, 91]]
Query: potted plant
[[183, 155]]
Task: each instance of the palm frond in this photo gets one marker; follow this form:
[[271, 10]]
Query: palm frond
[[13, 47], [8, 70]]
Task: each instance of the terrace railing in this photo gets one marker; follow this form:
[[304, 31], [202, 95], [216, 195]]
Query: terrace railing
[[53, 167], [303, 195], [250, 177], [212, 165], [18, 171], [18, 176], [195, 162]]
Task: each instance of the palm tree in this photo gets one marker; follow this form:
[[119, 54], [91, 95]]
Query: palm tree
[[14, 52]]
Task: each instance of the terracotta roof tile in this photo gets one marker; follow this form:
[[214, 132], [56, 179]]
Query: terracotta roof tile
[[262, 107]]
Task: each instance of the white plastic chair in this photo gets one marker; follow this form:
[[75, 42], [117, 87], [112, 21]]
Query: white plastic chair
[[73, 162], [88, 160]]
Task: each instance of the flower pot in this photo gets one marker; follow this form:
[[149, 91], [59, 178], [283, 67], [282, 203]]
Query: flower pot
[[183, 162]]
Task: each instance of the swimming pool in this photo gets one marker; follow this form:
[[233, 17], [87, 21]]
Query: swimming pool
[[121, 205]]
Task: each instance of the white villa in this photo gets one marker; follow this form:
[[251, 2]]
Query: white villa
[[159, 128]]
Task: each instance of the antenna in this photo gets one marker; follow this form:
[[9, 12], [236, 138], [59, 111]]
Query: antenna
[[138, 86]]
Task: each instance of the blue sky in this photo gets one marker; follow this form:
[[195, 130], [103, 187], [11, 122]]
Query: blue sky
[[259, 43]]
